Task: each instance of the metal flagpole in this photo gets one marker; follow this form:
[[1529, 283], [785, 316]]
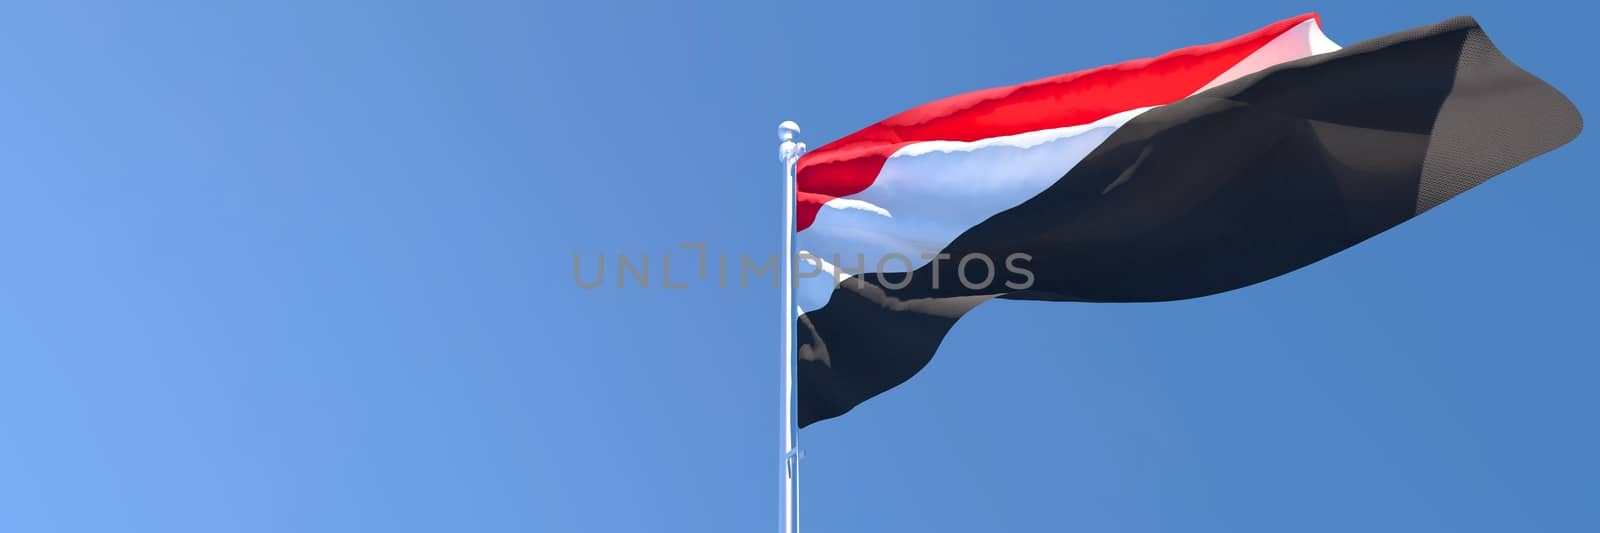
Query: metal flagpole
[[789, 152]]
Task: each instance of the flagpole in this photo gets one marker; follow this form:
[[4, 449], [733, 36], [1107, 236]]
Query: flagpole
[[789, 151]]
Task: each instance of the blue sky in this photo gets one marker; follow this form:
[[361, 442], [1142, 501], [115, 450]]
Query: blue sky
[[306, 266]]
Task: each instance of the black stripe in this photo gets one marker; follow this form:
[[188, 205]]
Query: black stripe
[[1230, 187]]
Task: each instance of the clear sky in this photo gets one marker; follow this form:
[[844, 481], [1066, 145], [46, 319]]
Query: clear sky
[[307, 266]]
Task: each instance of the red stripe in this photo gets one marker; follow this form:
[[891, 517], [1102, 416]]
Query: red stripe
[[849, 165]]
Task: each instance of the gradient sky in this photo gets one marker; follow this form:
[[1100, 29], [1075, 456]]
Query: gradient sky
[[307, 266]]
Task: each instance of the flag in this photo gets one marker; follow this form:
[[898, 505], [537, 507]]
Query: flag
[[1203, 170]]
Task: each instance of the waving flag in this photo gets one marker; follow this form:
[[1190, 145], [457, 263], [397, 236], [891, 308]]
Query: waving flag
[[1199, 171]]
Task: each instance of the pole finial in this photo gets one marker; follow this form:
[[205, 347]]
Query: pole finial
[[789, 149]]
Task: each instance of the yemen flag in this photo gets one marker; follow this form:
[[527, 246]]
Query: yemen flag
[[1199, 171]]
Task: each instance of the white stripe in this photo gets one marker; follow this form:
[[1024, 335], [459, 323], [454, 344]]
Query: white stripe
[[928, 193], [1303, 40], [854, 203], [936, 190]]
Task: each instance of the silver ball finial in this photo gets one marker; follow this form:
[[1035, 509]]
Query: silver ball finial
[[789, 149]]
